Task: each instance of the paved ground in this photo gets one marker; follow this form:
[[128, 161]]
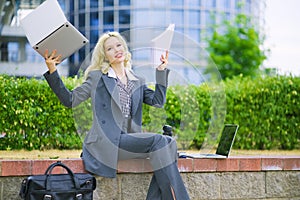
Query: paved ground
[[55, 154]]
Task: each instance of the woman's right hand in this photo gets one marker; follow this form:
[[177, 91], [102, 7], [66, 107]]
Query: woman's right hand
[[52, 60]]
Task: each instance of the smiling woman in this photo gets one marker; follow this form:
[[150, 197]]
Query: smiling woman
[[117, 95]]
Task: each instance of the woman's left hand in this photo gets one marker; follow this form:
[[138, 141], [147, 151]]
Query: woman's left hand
[[164, 61]]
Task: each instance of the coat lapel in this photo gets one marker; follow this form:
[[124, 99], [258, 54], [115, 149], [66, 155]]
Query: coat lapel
[[136, 96], [112, 88]]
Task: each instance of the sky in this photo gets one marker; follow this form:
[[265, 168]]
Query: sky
[[282, 30]]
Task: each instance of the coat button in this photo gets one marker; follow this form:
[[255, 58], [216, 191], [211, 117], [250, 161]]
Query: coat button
[[103, 121]]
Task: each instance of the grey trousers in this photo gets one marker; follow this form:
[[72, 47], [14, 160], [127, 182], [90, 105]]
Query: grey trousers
[[162, 151]]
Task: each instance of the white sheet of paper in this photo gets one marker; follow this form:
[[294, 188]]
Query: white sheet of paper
[[42, 21], [161, 43]]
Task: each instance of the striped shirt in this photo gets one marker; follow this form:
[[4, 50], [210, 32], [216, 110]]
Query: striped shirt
[[125, 96], [125, 91]]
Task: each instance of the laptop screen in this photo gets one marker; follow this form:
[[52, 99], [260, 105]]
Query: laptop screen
[[226, 140]]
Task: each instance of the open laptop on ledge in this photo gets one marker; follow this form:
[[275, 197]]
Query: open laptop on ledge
[[224, 146]]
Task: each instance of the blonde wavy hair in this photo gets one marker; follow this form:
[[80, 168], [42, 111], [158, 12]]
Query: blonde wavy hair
[[99, 61]]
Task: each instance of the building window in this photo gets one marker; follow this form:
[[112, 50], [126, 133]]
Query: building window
[[194, 18], [159, 19], [94, 19], [195, 34], [193, 3], [124, 2], [107, 3], [71, 6], [141, 18], [248, 7], [81, 54], [177, 2], [142, 4], [124, 16], [177, 17], [209, 3], [82, 20], [62, 4], [94, 36], [158, 3], [93, 3], [71, 15], [108, 18], [81, 5], [209, 18], [31, 55], [224, 4], [10, 52], [108, 29]]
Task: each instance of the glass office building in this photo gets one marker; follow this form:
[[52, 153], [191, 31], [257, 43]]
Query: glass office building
[[194, 19]]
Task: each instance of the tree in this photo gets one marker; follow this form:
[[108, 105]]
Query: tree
[[237, 50]]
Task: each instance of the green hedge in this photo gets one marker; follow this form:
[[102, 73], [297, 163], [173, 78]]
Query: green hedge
[[266, 109], [33, 118]]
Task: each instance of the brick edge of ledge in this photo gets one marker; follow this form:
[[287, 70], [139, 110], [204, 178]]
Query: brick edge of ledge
[[235, 164]]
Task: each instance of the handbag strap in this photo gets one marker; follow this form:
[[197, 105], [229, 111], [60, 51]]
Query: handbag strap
[[48, 174]]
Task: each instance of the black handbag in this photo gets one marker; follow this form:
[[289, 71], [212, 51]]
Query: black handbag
[[70, 186]]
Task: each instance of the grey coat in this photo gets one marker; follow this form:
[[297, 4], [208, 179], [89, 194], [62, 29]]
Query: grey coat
[[100, 147]]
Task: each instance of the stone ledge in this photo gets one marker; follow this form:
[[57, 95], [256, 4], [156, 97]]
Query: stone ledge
[[232, 164]]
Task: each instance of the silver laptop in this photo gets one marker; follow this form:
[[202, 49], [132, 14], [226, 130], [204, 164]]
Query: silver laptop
[[46, 27], [224, 146], [66, 40]]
